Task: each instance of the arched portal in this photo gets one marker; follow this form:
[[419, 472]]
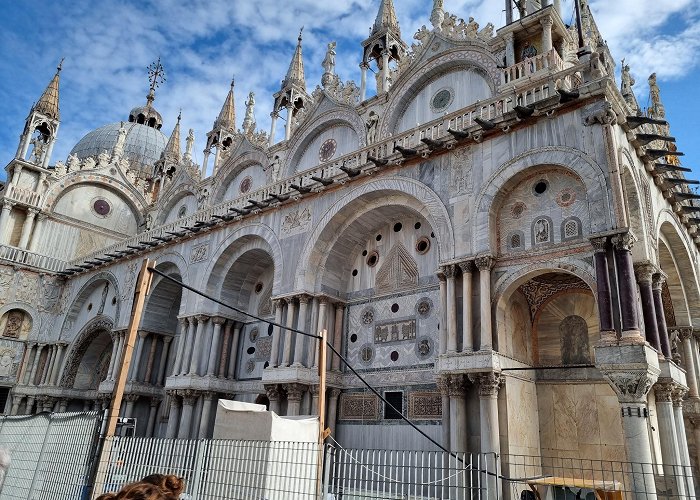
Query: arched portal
[[88, 357]]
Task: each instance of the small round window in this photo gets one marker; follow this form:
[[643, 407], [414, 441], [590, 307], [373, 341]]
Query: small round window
[[101, 207], [540, 187], [423, 245], [246, 184], [441, 100], [373, 259]]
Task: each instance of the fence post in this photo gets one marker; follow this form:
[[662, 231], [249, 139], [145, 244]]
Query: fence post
[[41, 457], [327, 470], [197, 471]]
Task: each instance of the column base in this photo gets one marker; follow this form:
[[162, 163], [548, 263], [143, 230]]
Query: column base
[[633, 337]]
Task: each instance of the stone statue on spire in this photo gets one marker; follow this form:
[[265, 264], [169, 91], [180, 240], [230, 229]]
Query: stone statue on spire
[[249, 120], [626, 86], [437, 16], [190, 144], [328, 65], [118, 150]]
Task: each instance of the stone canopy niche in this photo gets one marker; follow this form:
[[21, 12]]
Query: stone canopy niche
[[15, 324]]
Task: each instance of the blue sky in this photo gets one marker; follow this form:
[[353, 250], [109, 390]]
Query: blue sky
[[108, 44]]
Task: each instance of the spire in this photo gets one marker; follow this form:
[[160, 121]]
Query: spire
[[295, 73], [227, 116], [172, 148], [386, 18], [48, 102]]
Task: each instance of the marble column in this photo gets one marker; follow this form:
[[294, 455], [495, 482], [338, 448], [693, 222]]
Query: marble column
[[120, 353], [485, 263], [198, 336], [604, 299], [657, 283], [162, 365], [467, 313], [173, 417], [136, 363], [151, 359], [57, 364], [212, 364], [276, 333], [313, 389], [509, 11], [695, 422], [234, 351], [35, 365], [489, 384], [458, 413], [16, 401], [273, 395], [668, 435], [510, 48], [332, 410], [63, 406], [29, 406], [206, 415], [644, 272], [322, 318], [443, 312], [183, 324], [451, 274], [27, 228], [686, 336], [130, 401], [384, 72], [38, 227], [226, 345], [546, 34], [363, 80], [289, 323], [188, 345], [301, 326], [623, 244], [337, 335], [152, 414], [290, 120], [686, 469], [4, 221], [443, 387], [47, 365], [113, 358], [294, 394], [29, 353], [188, 399], [273, 126]]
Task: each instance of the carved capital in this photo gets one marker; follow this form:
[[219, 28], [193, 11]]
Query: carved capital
[[218, 320], [143, 334], [450, 271], [484, 262], [333, 392], [696, 333], [467, 267], [658, 280], [303, 298], [155, 400], [489, 383], [546, 22], [202, 318], [679, 394], [663, 392], [623, 241], [208, 395], [31, 212], [456, 385], [188, 396], [443, 384], [273, 392], [313, 389], [131, 398], [631, 386], [7, 205], [441, 276], [684, 333], [167, 339], [644, 271], [295, 391]]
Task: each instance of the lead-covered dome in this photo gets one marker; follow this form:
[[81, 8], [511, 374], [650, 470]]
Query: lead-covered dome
[[143, 144]]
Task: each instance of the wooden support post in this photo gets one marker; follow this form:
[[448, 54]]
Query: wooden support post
[[322, 434]]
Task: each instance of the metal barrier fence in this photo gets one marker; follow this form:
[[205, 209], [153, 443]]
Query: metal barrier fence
[[215, 469], [50, 454], [596, 479]]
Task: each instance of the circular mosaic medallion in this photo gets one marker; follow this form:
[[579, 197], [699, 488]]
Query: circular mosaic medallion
[[441, 100], [517, 209], [101, 207], [424, 347], [368, 316], [246, 184], [250, 366], [327, 150], [566, 197], [253, 335], [366, 354], [423, 307]]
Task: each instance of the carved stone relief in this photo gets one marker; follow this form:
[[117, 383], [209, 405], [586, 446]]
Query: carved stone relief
[[296, 222], [399, 271], [573, 331], [359, 407]]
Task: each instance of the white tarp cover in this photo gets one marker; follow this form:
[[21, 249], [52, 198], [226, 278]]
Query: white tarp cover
[[286, 467]]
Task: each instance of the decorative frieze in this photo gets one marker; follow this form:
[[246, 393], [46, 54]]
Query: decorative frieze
[[424, 405], [359, 407]]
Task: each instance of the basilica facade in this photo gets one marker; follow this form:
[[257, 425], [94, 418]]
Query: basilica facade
[[500, 240]]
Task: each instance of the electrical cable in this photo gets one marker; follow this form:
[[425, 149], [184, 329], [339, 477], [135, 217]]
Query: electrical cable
[[345, 361]]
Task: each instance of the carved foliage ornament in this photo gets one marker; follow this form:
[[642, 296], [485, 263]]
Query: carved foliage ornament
[[631, 386]]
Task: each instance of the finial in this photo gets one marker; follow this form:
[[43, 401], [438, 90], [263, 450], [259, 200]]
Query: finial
[[233, 81], [60, 65], [300, 32], [179, 115], [156, 76]]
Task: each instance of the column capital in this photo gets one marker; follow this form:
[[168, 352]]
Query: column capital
[[188, 396], [218, 320], [663, 392], [143, 334], [333, 392], [441, 275], [295, 391], [456, 385], [303, 298], [323, 299], [132, 398], [32, 212], [484, 262], [443, 382], [313, 389], [679, 394], [631, 386], [450, 271], [509, 37], [8, 204], [273, 392], [489, 383], [209, 395], [644, 271], [167, 339], [684, 332], [184, 321], [623, 241], [658, 280], [202, 318], [155, 400], [546, 22], [467, 267]]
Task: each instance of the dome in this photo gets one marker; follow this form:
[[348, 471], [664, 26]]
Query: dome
[[143, 144], [146, 115]]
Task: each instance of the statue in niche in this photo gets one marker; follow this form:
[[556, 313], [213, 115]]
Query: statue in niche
[[121, 140], [38, 151], [275, 165], [529, 51], [371, 125], [542, 231], [103, 300], [190, 144], [573, 336]]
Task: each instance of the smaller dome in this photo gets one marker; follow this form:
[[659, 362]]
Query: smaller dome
[[146, 115], [143, 144]]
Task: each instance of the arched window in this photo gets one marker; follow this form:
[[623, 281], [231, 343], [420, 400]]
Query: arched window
[[570, 229]]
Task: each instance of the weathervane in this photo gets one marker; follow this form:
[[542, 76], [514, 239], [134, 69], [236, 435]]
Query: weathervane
[[156, 76]]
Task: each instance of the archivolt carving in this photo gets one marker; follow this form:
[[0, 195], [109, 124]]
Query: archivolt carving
[[80, 346]]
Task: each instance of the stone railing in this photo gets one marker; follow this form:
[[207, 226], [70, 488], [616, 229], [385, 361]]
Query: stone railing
[[26, 258], [549, 61], [437, 129], [22, 195]]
